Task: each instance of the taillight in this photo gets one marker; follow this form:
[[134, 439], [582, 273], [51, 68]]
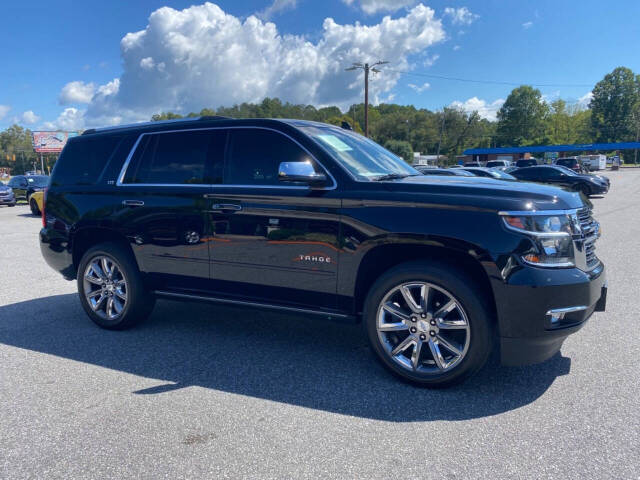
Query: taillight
[[44, 203]]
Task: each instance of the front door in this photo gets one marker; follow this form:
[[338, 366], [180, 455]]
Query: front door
[[272, 241], [164, 205]]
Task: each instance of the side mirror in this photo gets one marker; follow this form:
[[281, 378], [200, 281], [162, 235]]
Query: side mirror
[[302, 172]]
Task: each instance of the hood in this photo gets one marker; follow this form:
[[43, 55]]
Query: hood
[[489, 193], [4, 188]]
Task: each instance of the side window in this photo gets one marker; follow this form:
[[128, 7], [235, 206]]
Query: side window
[[547, 173], [195, 157], [255, 156], [83, 160], [525, 174]]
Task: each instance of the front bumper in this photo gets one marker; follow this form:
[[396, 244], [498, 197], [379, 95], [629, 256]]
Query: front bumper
[[7, 200], [539, 308]]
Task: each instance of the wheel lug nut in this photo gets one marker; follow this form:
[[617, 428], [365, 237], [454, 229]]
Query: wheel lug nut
[[432, 333], [423, 315], [432, 322], [413, 329], [423, 336], [414, 319]]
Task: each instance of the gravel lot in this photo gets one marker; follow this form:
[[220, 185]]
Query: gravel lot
[[204, 391]]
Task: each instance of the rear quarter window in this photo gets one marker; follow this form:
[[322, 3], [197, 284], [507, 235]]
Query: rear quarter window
[[83, 160]]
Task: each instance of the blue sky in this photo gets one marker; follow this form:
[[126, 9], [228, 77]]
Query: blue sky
[[63, 62]]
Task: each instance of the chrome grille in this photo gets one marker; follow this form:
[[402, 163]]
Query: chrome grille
[[590, 231]]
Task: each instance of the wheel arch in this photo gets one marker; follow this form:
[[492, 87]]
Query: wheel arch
[[87, 237], [384, 257]]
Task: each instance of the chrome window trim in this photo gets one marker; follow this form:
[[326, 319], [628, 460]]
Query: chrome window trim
[[123, 170]]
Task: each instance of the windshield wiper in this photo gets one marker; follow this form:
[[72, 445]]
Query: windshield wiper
[[392, 176]]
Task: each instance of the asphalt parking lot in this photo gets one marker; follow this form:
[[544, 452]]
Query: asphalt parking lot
[[204, 391]]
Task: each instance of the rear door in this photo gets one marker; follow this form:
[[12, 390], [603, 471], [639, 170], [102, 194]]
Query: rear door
[[273, 241], [164, 206]]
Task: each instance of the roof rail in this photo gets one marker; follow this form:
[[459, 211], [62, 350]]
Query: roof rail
[[159, 122]]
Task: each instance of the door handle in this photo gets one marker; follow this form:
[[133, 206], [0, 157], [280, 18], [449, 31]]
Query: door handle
[[132, 203], [225, 207]]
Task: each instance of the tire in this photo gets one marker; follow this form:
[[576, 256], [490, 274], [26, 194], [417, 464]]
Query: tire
[[33, 205], [134, 306], [468, 326], [585, 189]]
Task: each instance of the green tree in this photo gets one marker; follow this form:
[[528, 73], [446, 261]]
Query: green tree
[[521, 119], [401, 148], [612, 106]]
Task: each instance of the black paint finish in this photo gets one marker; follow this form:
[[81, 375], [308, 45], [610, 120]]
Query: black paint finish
[[319, 248]]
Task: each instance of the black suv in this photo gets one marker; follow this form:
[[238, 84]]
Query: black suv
[[310, 218]]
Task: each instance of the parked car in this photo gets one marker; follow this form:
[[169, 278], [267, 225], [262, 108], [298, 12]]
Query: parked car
[[24, 185], [528, 162], [473, 164], [36, 201], [6, 196], [602, 178], [571, 163], [562, 176], [489, 172], [450, 172], [498, 163], [304, 217]]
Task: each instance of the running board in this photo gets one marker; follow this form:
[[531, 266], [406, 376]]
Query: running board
[[340, 317]]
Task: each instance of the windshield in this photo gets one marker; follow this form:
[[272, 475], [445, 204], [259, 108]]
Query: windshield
[[363, 158], [500, 174], [38, 181]]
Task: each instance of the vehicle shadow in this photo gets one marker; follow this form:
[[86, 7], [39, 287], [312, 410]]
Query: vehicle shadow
[[283, 358]]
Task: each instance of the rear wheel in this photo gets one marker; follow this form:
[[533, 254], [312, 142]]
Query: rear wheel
[[111, 288], [33, 205], [427, 324]]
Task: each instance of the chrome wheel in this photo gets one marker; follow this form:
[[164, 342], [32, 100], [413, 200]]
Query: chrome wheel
[[105, 287], [423, 328]]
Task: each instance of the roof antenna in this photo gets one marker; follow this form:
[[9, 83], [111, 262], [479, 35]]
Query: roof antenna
[[346, 125]]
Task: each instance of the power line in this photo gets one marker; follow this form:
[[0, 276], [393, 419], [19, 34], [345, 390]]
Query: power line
[[490, 82]]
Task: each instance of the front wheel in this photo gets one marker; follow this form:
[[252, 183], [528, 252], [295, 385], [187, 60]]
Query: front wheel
[[111, 288], [585, 189], [428, 324]]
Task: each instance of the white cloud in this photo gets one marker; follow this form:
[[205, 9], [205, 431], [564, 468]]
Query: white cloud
[[456, 48], [373, 6], [76, 92], [430, 60], [203, 57], [70, 119], [484, 109], [4, 109], [527, 25], [419, 88], [29, 117], [276, 7], [460, 16], [585, 100]]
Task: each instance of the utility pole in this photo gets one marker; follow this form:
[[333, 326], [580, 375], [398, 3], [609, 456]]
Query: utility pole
[[366, 68], [440, 140]]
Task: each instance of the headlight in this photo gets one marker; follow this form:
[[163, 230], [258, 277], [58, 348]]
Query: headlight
[[551, 236]]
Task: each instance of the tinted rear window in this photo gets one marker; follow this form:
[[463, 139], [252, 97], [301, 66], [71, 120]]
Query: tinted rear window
[[177, 158], [83, 160]]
